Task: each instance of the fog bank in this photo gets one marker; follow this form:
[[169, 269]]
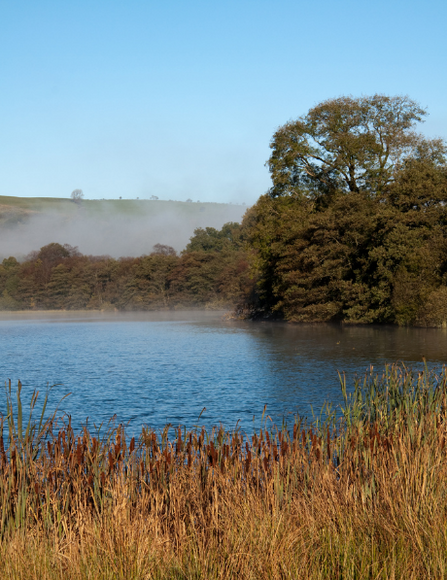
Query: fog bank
[[107, 231]]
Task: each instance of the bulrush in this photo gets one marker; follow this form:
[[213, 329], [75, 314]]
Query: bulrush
[[362, 494]]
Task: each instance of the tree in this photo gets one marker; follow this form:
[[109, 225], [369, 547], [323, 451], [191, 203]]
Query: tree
[[212, 240], [355, 225], [77, 195], [153, 197], [53, 253], [347, 145], [163, 250]]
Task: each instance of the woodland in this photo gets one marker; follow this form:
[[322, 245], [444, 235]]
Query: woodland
[[353, 229]]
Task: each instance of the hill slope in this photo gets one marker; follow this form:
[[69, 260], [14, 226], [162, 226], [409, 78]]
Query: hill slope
[[113, 227]]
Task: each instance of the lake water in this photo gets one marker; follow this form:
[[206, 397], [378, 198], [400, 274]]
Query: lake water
[[163, 368]]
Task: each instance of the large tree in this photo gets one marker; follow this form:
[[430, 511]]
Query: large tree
[[347, 145], [355, 225]]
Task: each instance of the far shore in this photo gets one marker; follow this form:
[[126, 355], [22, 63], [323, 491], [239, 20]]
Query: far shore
[[183, 314]]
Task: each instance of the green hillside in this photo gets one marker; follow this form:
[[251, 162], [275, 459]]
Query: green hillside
[[114, 227], [17, 209]]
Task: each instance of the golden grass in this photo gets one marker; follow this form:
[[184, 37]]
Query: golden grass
[[364, 496]]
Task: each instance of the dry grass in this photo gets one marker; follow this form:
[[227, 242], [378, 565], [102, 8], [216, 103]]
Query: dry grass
[[364, 496]]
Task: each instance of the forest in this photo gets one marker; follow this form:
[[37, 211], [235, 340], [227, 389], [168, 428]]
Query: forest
[[353, 230], [212, 272]]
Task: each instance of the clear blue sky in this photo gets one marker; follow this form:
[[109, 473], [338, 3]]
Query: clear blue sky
[[181, 98]]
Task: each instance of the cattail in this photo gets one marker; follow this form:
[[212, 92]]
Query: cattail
[[211, 454], [247, 461], [13, 460], [2, 453], [179, 445], [111, 461], [79, 453], [154, 443]]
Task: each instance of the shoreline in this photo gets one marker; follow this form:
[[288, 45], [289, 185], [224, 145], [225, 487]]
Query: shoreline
[[161, 315], [227, 315]]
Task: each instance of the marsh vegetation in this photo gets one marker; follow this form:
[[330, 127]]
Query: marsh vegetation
[[359, 496]]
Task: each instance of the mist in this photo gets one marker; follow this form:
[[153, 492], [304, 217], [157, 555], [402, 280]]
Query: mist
[[115, 233]]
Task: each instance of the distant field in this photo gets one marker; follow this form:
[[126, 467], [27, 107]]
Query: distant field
[[114, 227], [119, 206]]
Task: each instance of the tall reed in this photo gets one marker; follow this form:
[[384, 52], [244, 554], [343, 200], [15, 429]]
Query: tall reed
[[362, 494]]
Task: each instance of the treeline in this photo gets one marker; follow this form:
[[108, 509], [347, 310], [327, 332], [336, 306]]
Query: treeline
[[354, 229], [357, 259], [212, 272]]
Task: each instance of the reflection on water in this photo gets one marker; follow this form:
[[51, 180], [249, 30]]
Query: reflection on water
[[165, 367]]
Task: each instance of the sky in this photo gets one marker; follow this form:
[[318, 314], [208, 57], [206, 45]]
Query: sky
[[180, 99]]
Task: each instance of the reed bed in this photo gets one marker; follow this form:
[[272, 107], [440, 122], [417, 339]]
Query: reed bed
[[360, 494]]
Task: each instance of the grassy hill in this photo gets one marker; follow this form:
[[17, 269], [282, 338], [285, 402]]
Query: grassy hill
[[115, 227], [23, 207]]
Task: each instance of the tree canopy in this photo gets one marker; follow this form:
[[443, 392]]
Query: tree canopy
[[348, 145], [60, 277], [355, 225], [77, 195], [354, 229], [212, 240]]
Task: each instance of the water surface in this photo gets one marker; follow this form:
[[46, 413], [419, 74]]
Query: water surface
[[163, 368]]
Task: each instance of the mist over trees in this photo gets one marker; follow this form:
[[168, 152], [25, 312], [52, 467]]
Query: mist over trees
[[208, 274], [353, 229]]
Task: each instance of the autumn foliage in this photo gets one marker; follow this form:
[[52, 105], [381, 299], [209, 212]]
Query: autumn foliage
[[212, 272]]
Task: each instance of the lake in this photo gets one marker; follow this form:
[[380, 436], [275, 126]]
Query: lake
[[159, 368]]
